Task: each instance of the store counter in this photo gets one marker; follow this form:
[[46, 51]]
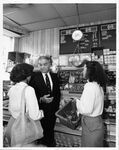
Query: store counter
[[66, 137]]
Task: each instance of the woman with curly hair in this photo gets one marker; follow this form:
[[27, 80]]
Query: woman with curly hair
[[91, 104], [20, 76]]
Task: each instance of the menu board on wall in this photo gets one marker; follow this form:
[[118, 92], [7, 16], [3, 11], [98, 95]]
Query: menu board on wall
[[90, 39], [102, 35], [67, 44], [108, 35]]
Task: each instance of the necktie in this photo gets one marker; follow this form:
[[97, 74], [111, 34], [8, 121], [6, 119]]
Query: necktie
[[48, 83]]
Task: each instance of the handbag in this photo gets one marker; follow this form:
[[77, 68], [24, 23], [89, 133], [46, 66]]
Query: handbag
[[25, 130]]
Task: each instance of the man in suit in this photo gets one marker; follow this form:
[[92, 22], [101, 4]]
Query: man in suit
[[48, 95]]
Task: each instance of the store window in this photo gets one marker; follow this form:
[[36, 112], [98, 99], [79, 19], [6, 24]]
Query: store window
[[8, 46]]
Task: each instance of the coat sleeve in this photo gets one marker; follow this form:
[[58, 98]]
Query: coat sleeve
[[57, 93]]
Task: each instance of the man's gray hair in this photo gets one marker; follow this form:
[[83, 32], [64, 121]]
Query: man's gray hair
[[47, 57]]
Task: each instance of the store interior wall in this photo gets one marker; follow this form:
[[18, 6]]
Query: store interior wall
[[39, 43]]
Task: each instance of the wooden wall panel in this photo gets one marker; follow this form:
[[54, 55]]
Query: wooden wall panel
[[41, 42]]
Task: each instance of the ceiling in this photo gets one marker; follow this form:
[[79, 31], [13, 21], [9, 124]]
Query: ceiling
[[34, 17]]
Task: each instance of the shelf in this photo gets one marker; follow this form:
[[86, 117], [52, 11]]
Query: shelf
[[110, 121], [6, 117], [5, 102], [69, 68], [5, 98], [65, 93]]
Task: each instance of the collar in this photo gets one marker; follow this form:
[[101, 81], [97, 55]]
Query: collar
[[46, 73], [21, 83]]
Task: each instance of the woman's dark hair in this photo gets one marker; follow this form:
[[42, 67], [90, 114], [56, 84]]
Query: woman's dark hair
[[20, 72], [95, 72]]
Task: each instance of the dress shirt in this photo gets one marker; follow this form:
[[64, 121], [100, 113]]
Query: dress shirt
[[32, 108], [92, 100], [51, 84]]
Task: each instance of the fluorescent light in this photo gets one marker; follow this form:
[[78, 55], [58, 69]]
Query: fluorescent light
[[10, 33]]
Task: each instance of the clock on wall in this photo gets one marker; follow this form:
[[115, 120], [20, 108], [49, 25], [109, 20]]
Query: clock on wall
[[77, 35]]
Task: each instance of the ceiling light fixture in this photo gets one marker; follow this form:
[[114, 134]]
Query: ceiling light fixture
[[77, 34]]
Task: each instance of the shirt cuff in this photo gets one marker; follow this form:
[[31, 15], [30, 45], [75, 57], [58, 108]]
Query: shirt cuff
[[40, 100], [42, 114], [78, 105]]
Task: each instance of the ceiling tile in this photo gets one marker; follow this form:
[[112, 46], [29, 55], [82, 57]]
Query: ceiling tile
[[41, 16], [66, 10], [44, 25]]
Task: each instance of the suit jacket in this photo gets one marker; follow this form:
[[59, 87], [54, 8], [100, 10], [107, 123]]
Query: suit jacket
[[38, 83]]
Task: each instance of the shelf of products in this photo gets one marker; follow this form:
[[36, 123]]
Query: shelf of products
[[6, 86], [71, 80], [72, 86], [110, 132], [6, 114]]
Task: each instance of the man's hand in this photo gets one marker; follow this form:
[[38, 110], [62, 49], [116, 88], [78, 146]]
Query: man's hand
[[46, 99]]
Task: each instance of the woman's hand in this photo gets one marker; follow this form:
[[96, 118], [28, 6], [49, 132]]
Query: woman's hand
[[75, 103]]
